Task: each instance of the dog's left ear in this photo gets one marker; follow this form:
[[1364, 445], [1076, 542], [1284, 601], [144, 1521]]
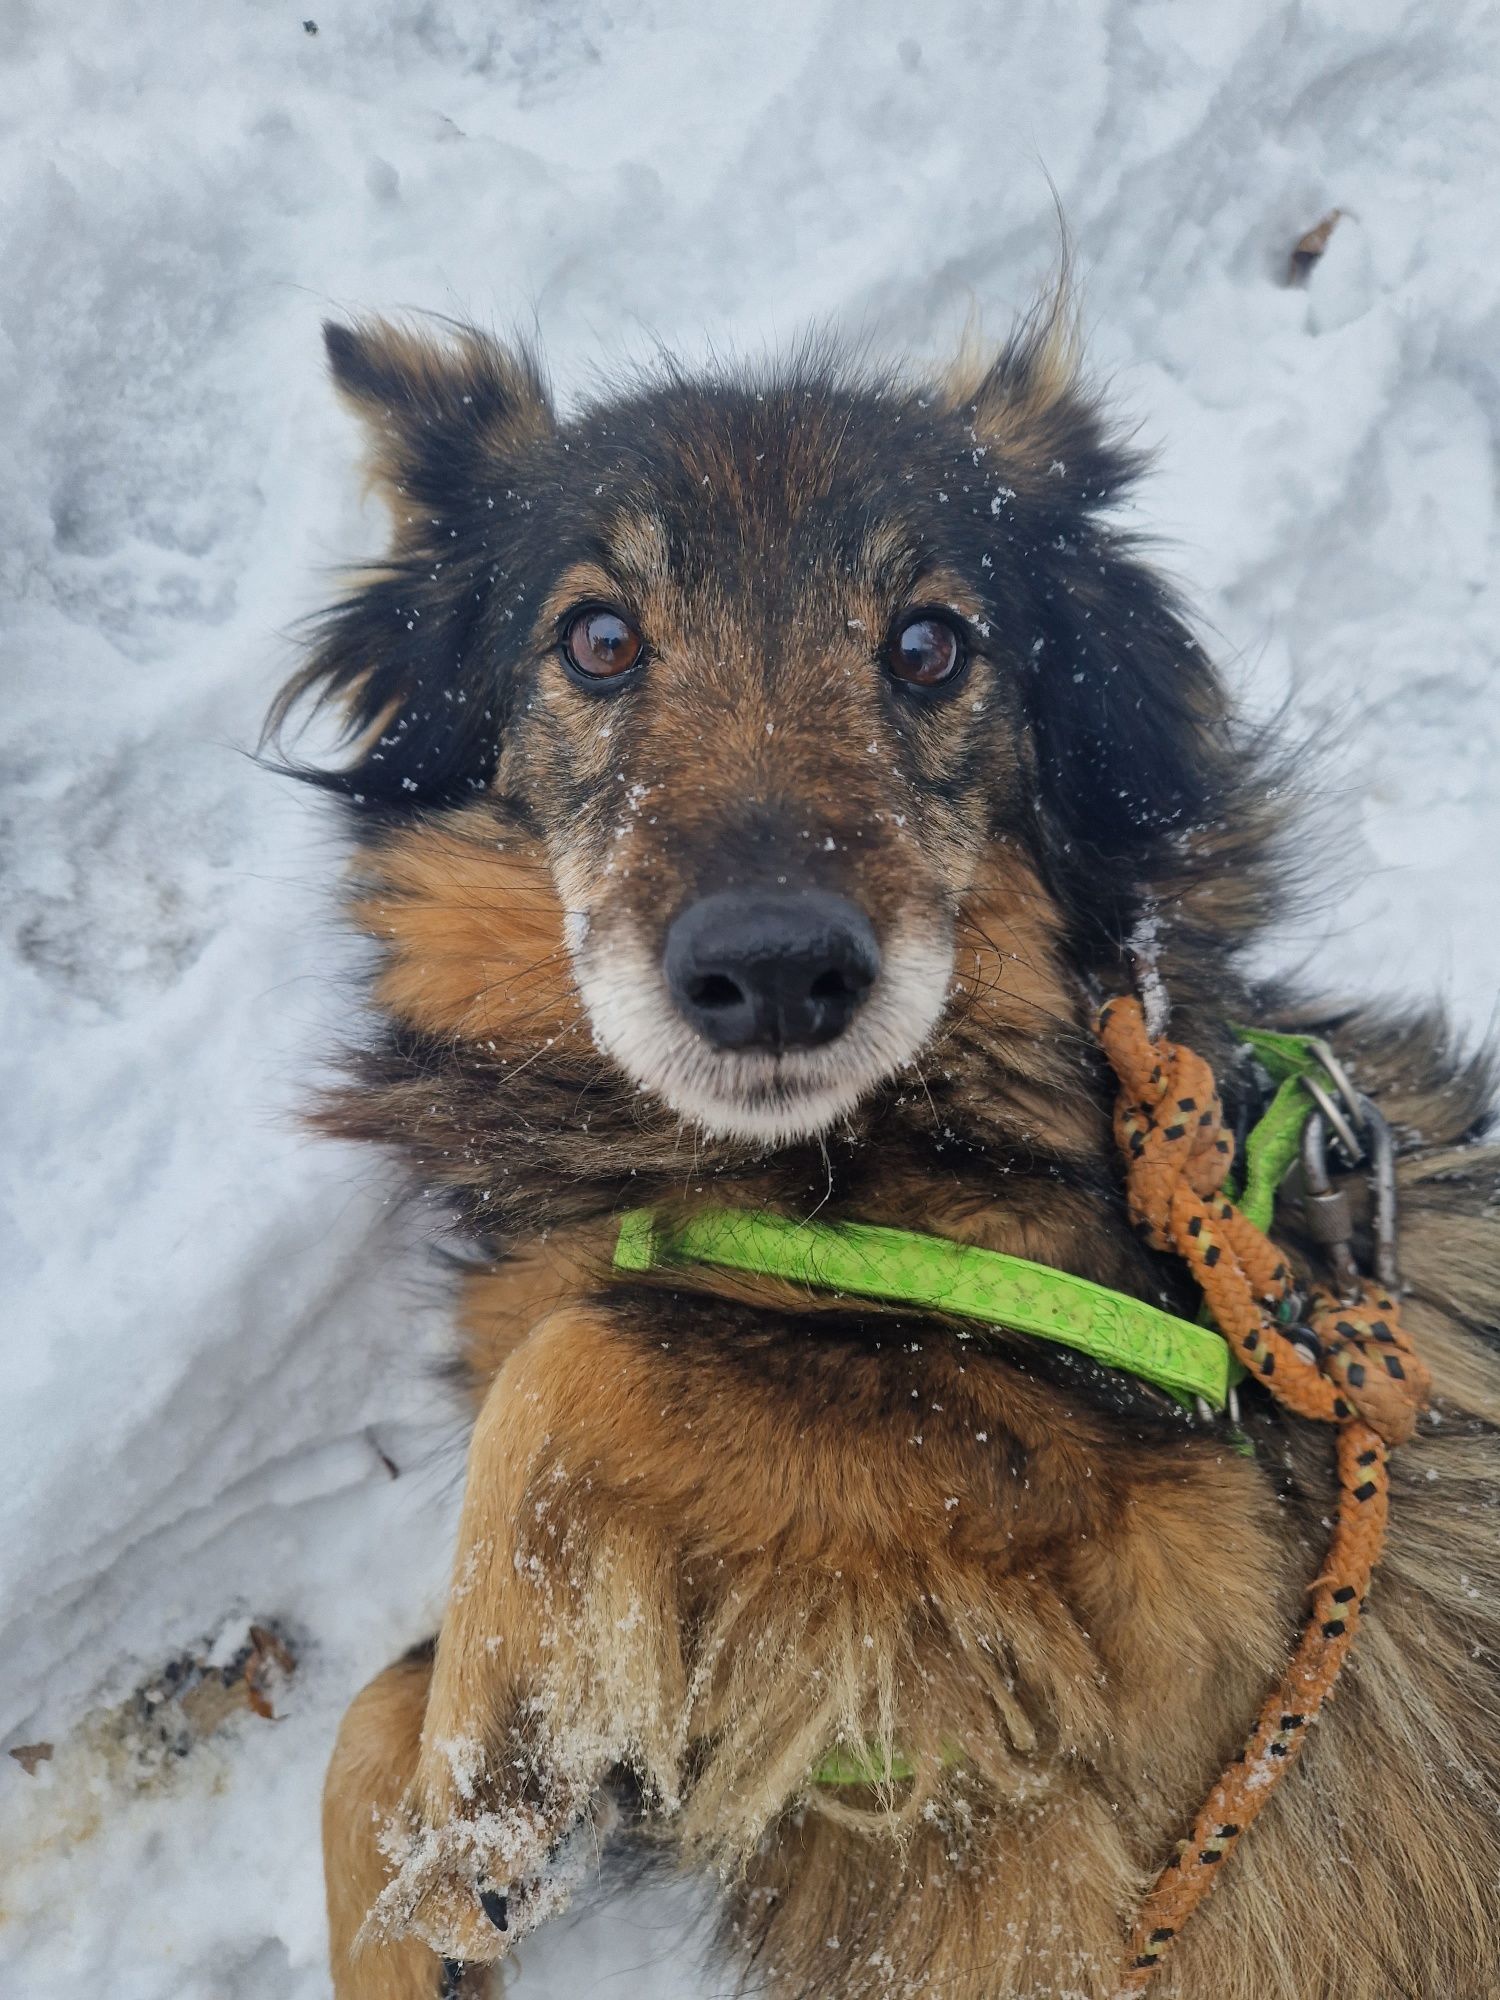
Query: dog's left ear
[[406, 655], [1128, 713]]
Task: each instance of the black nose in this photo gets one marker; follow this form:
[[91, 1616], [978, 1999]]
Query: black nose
[[769, 968]]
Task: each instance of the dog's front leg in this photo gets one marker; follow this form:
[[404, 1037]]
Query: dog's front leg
[[557, 1657]]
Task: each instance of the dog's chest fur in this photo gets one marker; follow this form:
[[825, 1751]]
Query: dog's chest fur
[[883, 1533]]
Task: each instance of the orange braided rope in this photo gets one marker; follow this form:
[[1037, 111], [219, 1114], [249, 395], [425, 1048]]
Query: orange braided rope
[[1365, 1378]]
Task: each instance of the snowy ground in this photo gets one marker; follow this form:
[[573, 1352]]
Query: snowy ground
[[211, 1339]]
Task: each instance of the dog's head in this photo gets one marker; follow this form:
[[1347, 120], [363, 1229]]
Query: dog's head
[[770, 667]]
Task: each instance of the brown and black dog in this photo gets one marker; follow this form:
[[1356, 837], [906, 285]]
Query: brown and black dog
[[753, 777]]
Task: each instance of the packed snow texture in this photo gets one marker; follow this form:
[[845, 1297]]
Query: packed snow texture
[[218, 1343]]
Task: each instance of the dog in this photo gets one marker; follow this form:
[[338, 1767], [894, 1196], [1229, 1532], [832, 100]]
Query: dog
[[755, 780]]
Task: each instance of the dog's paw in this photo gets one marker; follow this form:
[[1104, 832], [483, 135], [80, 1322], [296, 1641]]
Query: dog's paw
[[469, 1885]]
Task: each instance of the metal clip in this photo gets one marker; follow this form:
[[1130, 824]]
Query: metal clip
[[1383, 1178], [1342, 1130], [1340, 1075], [1327, 1208], [1329, 1218]]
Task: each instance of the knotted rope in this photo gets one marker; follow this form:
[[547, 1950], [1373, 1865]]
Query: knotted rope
[[1349, 1364]]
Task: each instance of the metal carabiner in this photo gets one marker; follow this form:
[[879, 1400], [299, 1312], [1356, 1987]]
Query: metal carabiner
[[1342, 1130], [1383, 1181], [1341, 1083], [1330, 1220]]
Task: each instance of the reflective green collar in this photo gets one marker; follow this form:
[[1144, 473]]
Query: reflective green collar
[[906, 1268]]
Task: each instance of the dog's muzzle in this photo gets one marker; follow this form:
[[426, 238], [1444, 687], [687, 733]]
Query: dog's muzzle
[[770, 968]]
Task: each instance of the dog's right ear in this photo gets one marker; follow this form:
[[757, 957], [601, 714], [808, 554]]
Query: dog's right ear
[[407, 657], [437, 411]]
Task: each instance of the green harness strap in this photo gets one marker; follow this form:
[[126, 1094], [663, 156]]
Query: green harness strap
[[903, 1266], [1272, 1147]]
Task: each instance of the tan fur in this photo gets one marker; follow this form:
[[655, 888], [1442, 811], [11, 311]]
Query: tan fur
[[638, 545], [429, 366], [661, 1570], [472, 935], [1014, 407], [367, 1779], [498, 1306], [828, 1605]]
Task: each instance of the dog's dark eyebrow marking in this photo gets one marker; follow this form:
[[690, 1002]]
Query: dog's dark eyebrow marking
[[636, 543], [889, 557], [900, 569], [577, 583], [939, 584]]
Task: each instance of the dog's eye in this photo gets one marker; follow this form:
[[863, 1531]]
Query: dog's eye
[[925, 652], [600, 645]]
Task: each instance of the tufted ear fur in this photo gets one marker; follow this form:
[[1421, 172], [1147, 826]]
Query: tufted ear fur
[[403, 655], [1129, 716], [1024, 402], [436, 410]]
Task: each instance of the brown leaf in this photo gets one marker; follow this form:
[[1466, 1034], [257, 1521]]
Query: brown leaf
[[267, 1649], [29, 1755], [1310, 246], [269, 1644]]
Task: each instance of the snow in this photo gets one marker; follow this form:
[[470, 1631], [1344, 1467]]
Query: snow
[[219, 1329]]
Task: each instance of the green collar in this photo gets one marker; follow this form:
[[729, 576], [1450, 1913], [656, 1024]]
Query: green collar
[[904, 1267], [907, 1268]]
